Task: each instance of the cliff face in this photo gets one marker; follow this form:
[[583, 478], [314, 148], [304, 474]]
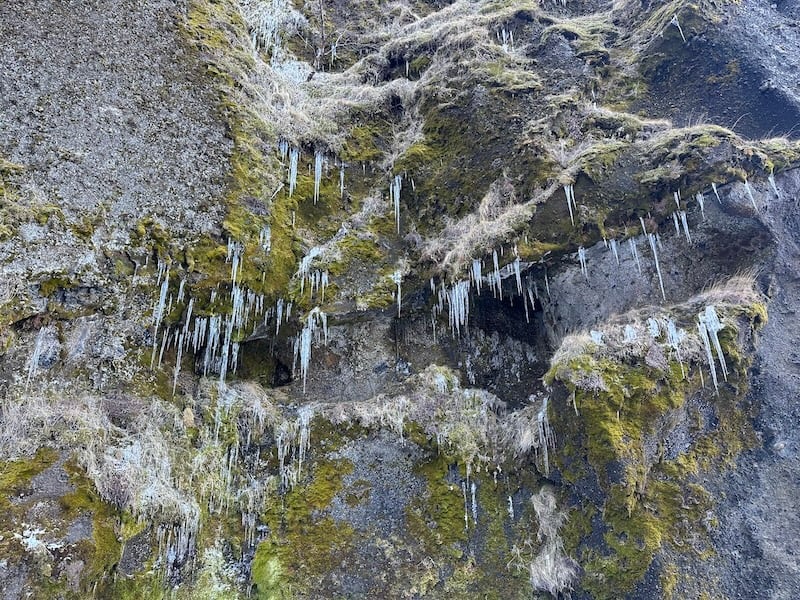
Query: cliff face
[[344, 299]]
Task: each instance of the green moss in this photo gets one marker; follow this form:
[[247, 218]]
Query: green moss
[[651, 503], [105, 550], [436, 519], [50, 286], [361, 146], [303, 543], [15, 475]]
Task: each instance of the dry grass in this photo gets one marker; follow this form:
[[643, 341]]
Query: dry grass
[[551, 570]]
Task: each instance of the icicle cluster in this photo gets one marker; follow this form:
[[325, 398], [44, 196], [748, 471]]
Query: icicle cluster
[[316, 321], [709, 326]]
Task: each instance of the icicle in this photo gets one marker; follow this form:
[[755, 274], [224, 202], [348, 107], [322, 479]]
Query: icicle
[[749, 191], [701, 201], [341, 181], [177, 370], [630, 333], [265, 238], [653, 328], [397, 277], [677, 196], [674, 338], [496, 281], [771, 179], [614, 250], [685, 226], [701, 329], [474, 505], [675, 221], [716, 193], [158, 313], [283, 149], [180, 291], [294, 155], [315, 319], [466, 506], [546, 283], [510, 508], [394, 194], [518, 275], [597, 337], [652, 239], [674, 21], [458, 302], [582, 259], [570, 194], [318, 157], [163, 346], [33, 362], [476, 274], [644, 229], [713, 325]]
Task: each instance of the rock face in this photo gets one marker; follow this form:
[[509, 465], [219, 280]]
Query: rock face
[[419, 300]]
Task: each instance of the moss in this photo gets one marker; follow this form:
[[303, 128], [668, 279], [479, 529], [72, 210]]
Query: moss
[[304, 544], [16, 475], [105, 550], [50, 286], [650, 503], [361, 146], [669, 581], [437, 518]]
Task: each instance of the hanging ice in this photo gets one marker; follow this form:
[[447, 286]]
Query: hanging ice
[[614, 250], [458, 302], [476, 274], [677, 196], [33, 362], [341, 181], [397, 277], [570, 194], [635, 254], [716, 193], [294, 155], [674, 21], [315, 321], [394, 194], [685, 226], [675, 221], [771, 179], [675, 337], [318, 158], [701, 201], [582, 259], [749, 191], [714, 325], [518, 275], [597, 337], [630, 333], [652, 239], [283, 149], [265, 238], [653, 328], [701, 329], [495, 281]]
